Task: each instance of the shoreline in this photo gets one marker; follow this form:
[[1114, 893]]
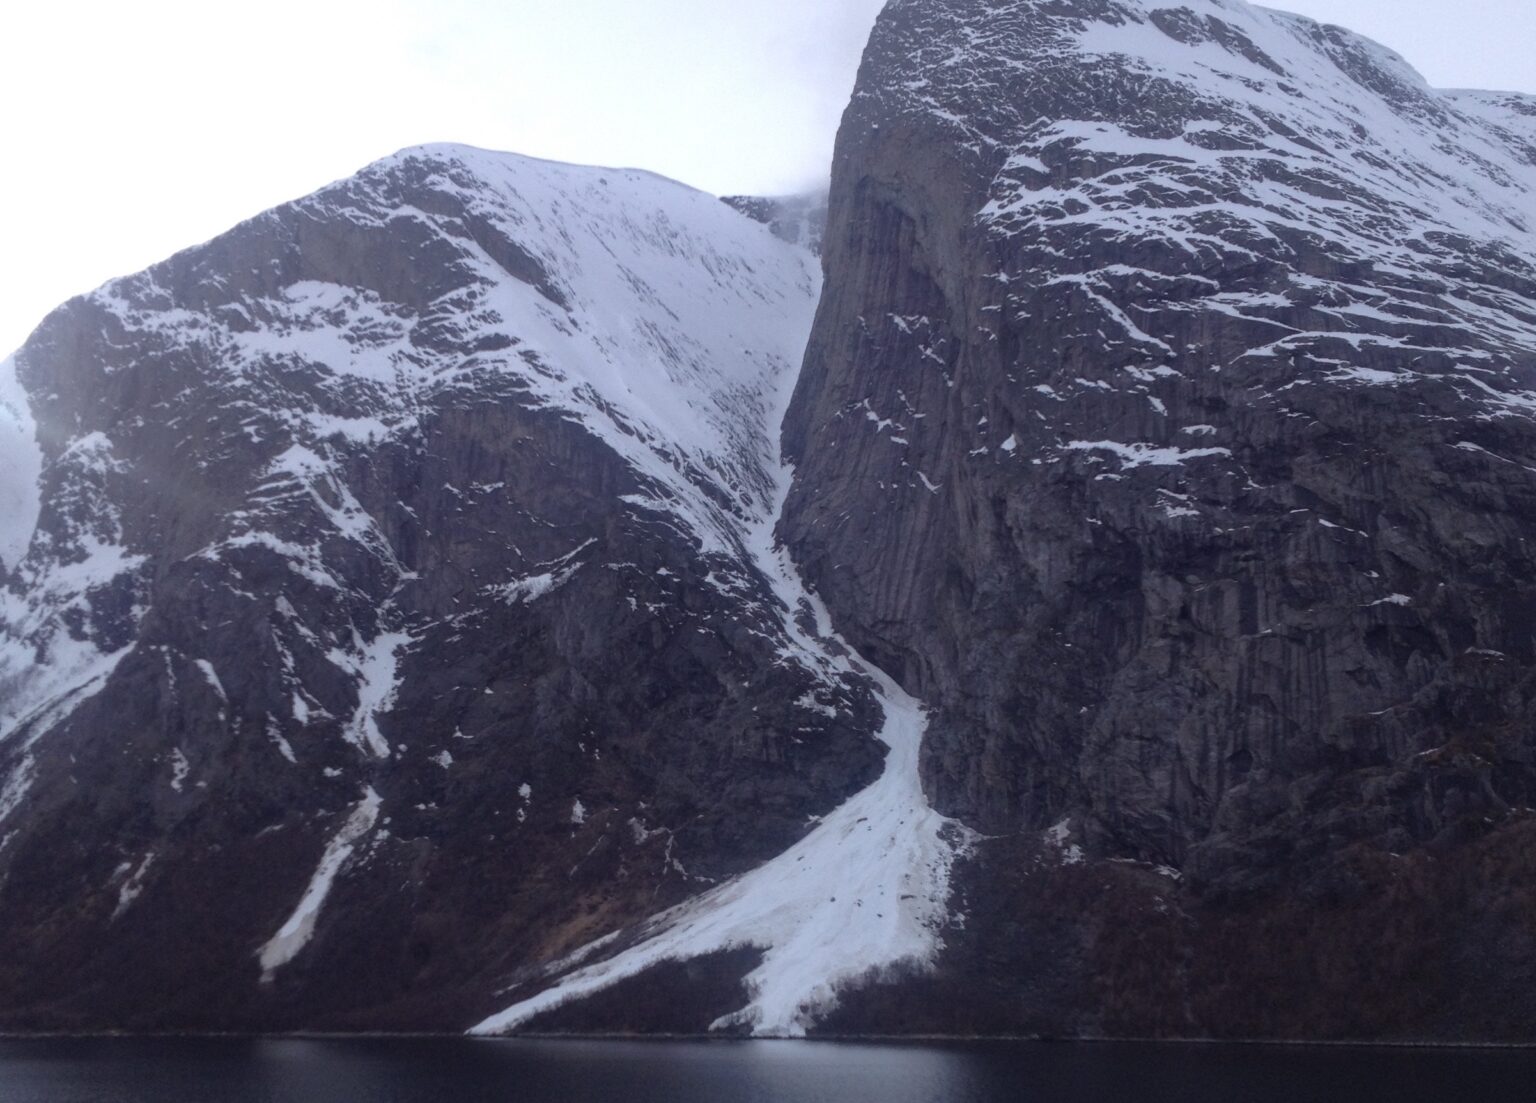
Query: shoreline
[[715, 1039]]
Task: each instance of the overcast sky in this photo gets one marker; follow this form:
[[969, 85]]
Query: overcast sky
[[133, 128]]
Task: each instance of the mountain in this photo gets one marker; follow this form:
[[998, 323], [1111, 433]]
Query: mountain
[[399, 605], [414, 619]]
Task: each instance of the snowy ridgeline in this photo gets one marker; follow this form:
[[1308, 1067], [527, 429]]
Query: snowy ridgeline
[[1263, 137], [665, 325]]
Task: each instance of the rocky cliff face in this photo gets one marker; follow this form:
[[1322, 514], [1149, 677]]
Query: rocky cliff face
[[394, 633], [1166, 427]]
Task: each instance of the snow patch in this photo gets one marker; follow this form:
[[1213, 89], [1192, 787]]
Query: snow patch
[[296, 932], [866, 890], [376, 667], [809, 702], [133, 887], [533, 587], [1145, 455]]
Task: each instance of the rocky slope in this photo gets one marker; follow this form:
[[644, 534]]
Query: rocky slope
[[1166, 427]]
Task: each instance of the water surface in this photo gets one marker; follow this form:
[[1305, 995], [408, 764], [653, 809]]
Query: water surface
[[464, 1071]]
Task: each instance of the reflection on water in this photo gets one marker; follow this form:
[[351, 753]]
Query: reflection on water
[[454, 1071]]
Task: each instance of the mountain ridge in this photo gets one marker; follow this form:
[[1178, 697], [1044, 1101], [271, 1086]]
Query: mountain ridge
[[1131, 637]]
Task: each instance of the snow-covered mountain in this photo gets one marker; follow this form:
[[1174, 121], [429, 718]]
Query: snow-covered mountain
[[409, 622], [400, 605]]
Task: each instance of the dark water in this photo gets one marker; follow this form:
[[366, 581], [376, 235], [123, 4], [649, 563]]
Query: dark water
[[391, 1071]]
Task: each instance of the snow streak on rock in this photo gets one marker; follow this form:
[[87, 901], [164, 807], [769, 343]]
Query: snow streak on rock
[[295, 933]]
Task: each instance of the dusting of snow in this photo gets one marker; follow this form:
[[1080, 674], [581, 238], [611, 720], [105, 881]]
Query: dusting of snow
[[49, 664], [1237, 134]]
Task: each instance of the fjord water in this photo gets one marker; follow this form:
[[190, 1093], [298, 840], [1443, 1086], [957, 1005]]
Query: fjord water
[[434, 1071]]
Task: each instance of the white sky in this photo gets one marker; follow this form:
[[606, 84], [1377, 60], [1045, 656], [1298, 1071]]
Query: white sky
[[133, 128]]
